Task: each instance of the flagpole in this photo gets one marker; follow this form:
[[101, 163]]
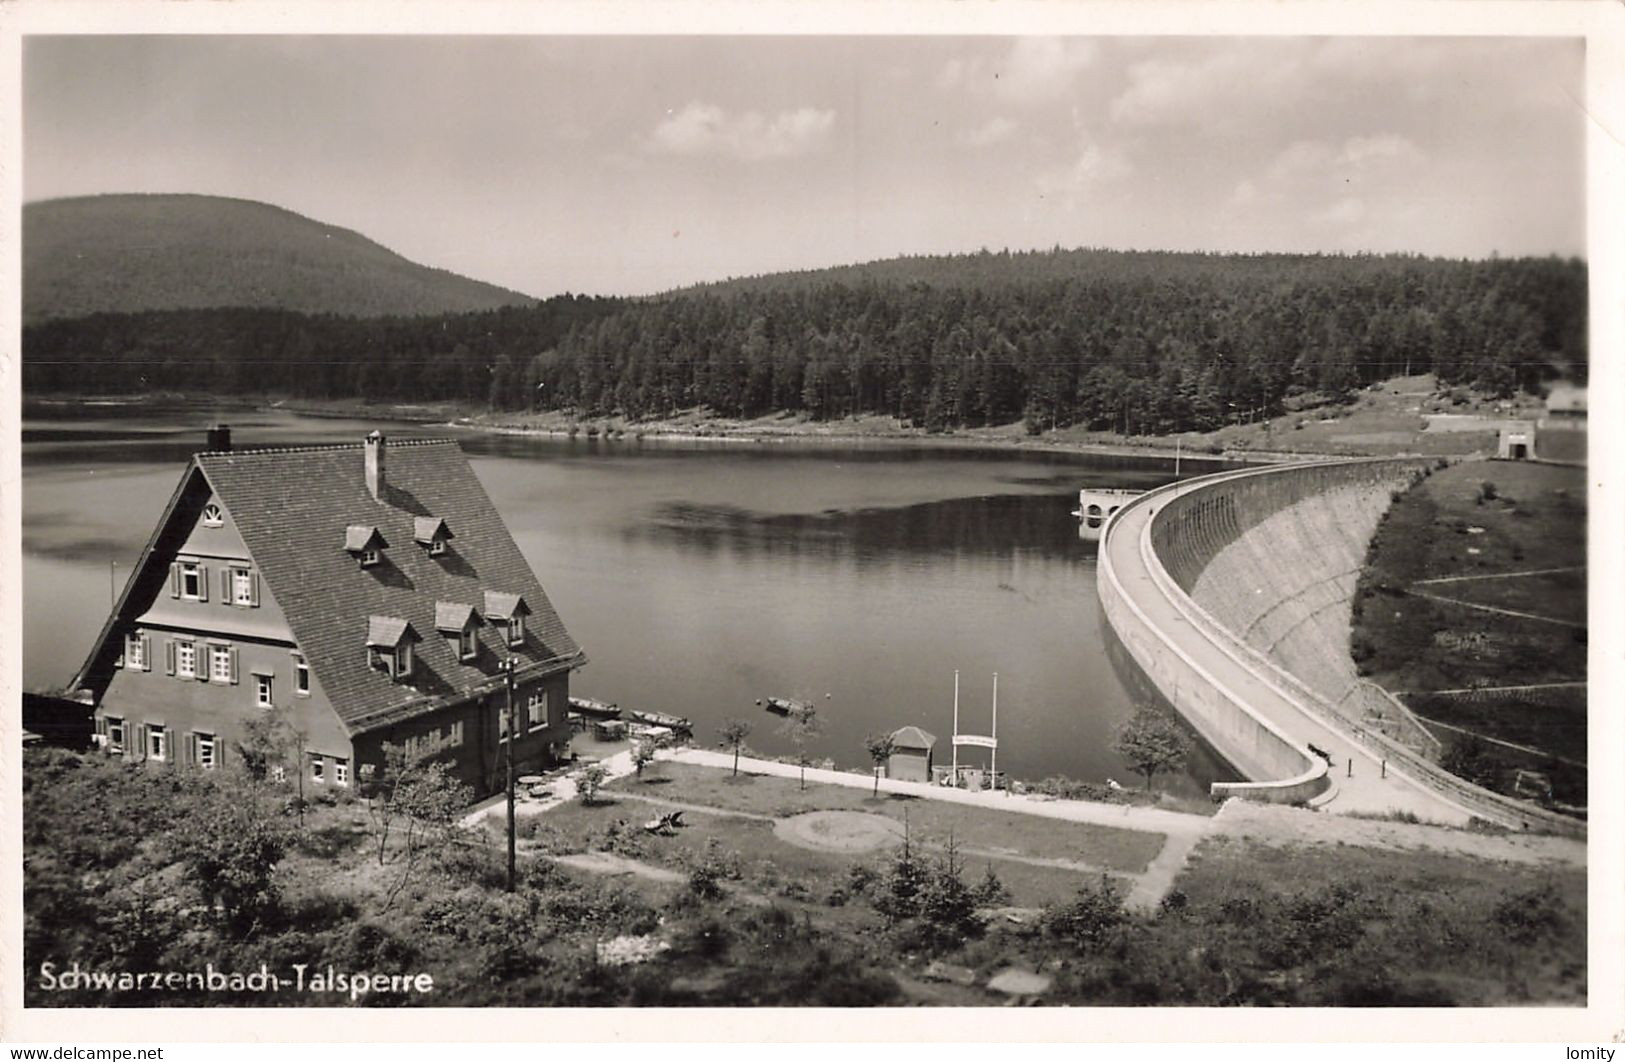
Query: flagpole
[[993, 768], [956, 729]]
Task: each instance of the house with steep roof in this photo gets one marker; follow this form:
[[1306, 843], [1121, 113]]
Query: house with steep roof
[[910, 760], [373, 591]]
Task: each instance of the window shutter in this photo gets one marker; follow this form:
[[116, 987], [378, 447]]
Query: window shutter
[[253, 589], [202, 662], [175, 579], [191, 748], [146, 652], [146, 742], [169, 656], [226, 597], [232, 654], [202, 583]]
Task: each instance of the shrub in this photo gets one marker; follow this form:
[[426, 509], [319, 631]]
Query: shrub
[[1087, 921], [588, 781], [1531, 913]]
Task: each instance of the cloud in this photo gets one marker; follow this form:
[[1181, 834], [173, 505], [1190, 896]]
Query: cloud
[[990, 132], [706, 129], [1321, 177], [1034, 69], [1093, 166]]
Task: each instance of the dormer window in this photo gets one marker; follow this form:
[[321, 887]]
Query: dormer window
[[212, 516], [431, 533], [389, 645], [459, 621], [509, 610], [365, 544]]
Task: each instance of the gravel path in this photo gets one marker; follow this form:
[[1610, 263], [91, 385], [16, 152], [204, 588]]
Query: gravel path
[[1275, 825]]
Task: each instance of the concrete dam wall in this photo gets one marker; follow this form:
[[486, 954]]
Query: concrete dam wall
[[1275, 559], [1233, 593]]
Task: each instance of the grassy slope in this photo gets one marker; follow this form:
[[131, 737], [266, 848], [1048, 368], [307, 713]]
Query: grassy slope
[[146, 252], [1411, 644], [1249, 924]]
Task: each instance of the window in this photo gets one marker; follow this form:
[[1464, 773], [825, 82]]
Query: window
[[455, 734], [186, 659], [502, 724], [262, 690], [219, 663], [205, 751], [536, 709], [135, 652], [317, 768], [212, 516], [191, 581], [115, 734], [403, 659], [437, 547], [468, 646], [516, 630], [157, 743], [301, 676], [242, 587], [370, 556], [279, 773], [341, 772]]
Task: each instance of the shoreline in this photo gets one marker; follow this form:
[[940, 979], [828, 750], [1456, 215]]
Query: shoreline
[[774, 429]]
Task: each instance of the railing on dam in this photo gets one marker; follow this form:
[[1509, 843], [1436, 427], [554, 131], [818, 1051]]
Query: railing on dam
[[1192, 523]]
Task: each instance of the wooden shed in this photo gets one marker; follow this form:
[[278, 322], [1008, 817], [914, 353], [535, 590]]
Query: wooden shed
[[911, 755]]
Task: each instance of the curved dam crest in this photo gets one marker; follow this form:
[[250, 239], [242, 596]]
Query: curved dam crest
[[1233, 593]]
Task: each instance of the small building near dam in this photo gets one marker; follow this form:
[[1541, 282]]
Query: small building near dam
[[1096, 505], [910, 760]]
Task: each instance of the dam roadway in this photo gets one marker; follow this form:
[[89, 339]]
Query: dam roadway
[[1177, 645]]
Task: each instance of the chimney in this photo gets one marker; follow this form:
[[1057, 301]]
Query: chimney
[[219, 438], [374, 450]]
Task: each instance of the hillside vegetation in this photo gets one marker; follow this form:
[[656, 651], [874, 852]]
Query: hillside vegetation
[[127, 253], [1140, 344]]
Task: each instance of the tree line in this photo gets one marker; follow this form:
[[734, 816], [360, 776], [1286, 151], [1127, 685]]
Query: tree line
[[1134, 342]]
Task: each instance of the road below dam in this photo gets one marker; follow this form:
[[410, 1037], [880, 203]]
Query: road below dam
[[1233, 593]]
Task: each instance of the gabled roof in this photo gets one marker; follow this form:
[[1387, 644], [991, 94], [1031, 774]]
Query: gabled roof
[[503, 606], [386, 632], [450, 616], [426, 529], [912, 737], [358, 538], [292, 505]]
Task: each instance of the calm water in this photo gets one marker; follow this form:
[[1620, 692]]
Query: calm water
[[702, 576]]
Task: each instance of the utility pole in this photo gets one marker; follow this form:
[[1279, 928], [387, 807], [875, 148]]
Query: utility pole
[[508, 667]]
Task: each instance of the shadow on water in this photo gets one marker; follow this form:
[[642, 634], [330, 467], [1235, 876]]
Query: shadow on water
[[1034, 525]]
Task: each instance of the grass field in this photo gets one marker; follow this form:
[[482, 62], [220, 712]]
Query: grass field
[[929, 821], [1463, 523]]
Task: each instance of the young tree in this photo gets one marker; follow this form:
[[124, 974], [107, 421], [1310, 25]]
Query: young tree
[[643, 753], [734, 732], [272, 744], [415, 792], [1152, 743], [589, 781], [880, 748], [803, 727]]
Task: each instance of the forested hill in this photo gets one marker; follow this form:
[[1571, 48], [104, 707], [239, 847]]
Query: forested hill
[[1143, 343], [123, 253]]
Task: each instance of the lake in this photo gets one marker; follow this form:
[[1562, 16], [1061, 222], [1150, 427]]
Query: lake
[[702, 575]]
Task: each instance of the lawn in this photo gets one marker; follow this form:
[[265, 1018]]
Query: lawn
[[929, 821]]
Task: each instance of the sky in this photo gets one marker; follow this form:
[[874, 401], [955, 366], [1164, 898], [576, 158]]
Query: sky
[[631, 165]]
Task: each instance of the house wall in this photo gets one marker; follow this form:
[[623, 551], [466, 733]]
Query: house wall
[[909, 765], [471, 735]]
